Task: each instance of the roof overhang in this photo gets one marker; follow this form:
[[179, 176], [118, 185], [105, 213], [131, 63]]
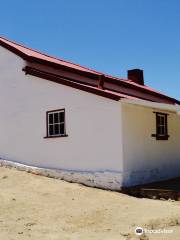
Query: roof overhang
[[161, 106], [61, 80]]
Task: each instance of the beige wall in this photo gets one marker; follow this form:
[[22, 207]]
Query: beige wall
[[145, 158]]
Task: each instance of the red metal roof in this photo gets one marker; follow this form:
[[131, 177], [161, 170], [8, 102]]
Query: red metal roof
[[140, 90], [33, 53]]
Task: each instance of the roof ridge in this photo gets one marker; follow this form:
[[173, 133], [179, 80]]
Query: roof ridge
[[56, 58]]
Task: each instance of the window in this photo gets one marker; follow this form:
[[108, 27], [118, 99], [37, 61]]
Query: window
[[56, 123], [161, 126]]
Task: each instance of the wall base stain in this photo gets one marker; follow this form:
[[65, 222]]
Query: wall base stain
[[104, 180]]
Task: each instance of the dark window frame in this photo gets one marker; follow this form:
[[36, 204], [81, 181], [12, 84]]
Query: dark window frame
[[161, 128], [47, 123]]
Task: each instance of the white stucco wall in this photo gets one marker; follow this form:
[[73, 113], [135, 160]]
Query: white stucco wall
[[145, 158], [109, 143], [93, 123]]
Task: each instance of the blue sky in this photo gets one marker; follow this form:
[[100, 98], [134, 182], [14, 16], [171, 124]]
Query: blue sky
[[111, 36]]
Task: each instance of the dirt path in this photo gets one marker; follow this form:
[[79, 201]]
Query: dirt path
[[36, 207]]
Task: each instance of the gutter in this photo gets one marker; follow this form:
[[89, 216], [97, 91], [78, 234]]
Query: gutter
[[62, 80], [162, 106]]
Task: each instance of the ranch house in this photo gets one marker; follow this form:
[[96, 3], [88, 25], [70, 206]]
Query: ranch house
[[82, 125]]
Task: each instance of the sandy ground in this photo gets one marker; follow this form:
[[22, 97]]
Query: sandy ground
[[36, 207]]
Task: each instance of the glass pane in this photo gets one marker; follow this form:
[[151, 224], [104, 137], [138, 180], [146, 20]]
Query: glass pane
[[62, 129], [56, 129], [56, 119], [61, 115], [51, 131], [51, 118], [162, 120], [159, 130], [162, 130]]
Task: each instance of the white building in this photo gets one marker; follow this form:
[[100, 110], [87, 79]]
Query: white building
[[90, 127]]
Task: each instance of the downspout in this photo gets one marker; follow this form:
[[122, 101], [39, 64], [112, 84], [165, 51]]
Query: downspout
[[101, 82]]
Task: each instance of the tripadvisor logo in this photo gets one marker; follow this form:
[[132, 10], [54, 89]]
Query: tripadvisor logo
[[139, 231]]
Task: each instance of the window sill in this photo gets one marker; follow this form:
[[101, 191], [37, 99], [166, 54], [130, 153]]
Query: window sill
[[166, 137], [65, 135]]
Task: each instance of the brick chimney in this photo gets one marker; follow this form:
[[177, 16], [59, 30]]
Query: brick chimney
[[136, 75]]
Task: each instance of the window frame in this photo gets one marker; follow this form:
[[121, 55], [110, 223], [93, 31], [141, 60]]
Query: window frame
[[47, 123], [159, 135]]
